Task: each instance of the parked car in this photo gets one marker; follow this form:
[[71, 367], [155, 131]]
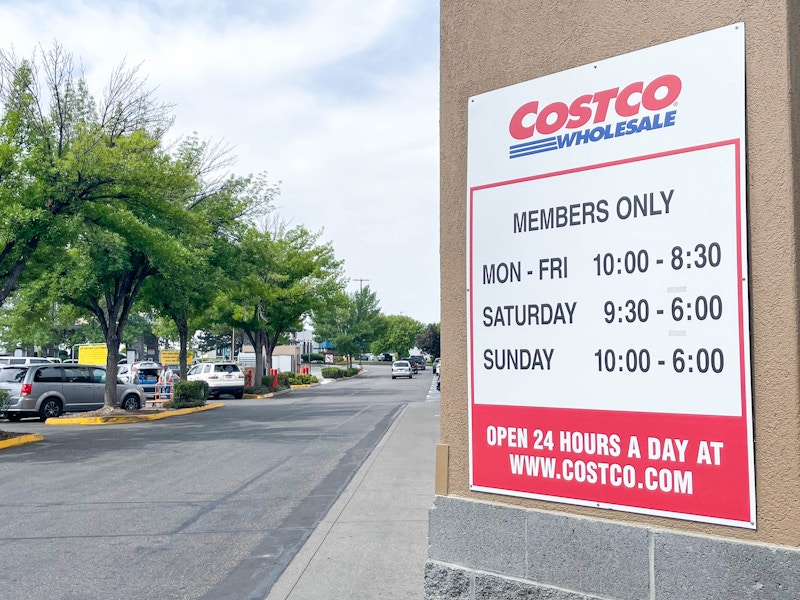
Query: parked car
[[418, 360], [50, 390], [221, 377], [439, 376], [385, 357], [124, 373], [12, 373], [435, 367], [144, 373], [413, 364], [25, 360], [402, 368]]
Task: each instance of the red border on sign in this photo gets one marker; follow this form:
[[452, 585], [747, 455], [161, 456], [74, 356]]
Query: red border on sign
[[707, 492]]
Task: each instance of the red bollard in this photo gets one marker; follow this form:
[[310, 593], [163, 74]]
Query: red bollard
[[275, 380]]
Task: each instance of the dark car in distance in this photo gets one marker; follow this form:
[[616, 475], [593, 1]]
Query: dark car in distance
[[414, 366], [418, 360]]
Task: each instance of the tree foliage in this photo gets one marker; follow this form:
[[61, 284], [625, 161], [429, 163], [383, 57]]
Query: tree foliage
[[277, 278], [225, 205], [351, 322], [93, 182], [428, 340], [399, 334], [104, 229], [61, 149]]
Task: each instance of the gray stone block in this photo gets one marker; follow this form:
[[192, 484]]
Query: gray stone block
[[588, 555], [446, 583], [702, 568], [489, 587], [477, 535]]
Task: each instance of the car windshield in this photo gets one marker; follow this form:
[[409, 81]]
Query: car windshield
[[13, 375], [401, 363]]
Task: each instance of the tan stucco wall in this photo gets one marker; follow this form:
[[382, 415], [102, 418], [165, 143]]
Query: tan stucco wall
[[494, 43]]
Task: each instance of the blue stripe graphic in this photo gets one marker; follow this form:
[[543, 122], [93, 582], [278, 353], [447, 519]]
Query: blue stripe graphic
[[535, 147]]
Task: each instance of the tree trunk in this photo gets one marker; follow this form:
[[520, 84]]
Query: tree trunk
[[255, 340], [112, 360], [183, 334], [265, 350], [269, 345]]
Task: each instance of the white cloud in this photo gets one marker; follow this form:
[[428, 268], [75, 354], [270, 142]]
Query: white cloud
[[337, 99]]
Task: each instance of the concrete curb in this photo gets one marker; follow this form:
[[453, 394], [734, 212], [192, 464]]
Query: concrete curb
[[269, 395], [21, 440], [130, 418]]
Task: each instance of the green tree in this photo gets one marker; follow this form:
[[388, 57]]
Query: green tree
[[42, 325], [104, 270], [280, 277], [185, 296], [351, 322], [399, 334], [108, 196], [52, 132], [429, 340]]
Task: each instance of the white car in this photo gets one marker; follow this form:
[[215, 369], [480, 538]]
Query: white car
[[124, 373], [402, 368], [221, 377]]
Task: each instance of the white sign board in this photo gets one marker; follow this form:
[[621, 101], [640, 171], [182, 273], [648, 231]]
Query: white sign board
[[608, 312]]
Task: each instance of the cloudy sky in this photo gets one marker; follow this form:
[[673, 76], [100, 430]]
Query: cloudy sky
[[335, 99]]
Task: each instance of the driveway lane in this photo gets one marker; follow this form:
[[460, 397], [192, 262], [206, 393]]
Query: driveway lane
[[211, 505]]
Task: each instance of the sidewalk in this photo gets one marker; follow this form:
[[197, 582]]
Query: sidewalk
[[373, 543]]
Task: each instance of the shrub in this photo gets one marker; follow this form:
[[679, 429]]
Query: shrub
[[187, 394], [332, 373], [302, 379], [283, 382], [314, 357], [351, 372]]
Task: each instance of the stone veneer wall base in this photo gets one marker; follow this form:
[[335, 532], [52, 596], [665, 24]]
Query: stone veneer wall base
[[487, 551]]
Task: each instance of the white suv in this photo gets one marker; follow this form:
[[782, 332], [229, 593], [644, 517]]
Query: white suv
[[221, 377]]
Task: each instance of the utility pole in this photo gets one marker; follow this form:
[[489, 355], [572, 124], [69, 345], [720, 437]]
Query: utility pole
[[360, 283]]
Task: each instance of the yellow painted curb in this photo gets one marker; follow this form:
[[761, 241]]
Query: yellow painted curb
[[300, 386], [259, 396], [21, 440], [130, 418]]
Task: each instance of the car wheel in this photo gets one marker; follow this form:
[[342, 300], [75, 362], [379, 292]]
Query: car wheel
[[410, 376], [13, 417], [50, 409], [393, 377], [130, 403], [239, 394]]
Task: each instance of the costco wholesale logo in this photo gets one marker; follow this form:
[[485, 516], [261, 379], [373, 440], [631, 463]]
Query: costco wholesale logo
[[558, 120]]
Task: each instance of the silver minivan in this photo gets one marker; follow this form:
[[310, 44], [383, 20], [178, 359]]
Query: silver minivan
[[52, 389]]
